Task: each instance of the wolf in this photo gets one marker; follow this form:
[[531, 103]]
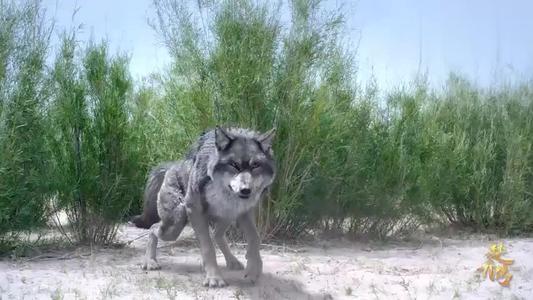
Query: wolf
[[219, 182]]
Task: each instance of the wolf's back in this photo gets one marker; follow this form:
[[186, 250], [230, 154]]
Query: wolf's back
[[149, 215]]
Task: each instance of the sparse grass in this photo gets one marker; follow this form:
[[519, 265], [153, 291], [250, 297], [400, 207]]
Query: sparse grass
[[169, 285], [431, 288], [78, 294], [456, 295], [348, 291], [238, 293], [375, 290], [57, 294], [109, 291]]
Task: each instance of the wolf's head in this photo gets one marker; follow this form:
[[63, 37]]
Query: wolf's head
[[245, 164]]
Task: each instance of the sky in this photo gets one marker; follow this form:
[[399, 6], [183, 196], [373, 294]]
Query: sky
[[485, 40]]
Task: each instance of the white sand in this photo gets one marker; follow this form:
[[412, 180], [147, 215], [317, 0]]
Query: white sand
[[426, 269]]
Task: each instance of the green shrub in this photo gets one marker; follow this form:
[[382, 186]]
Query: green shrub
[[97, 174], [24, 92], [478, 167]]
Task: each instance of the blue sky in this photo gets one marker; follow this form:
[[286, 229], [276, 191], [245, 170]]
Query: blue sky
[[486, 40]]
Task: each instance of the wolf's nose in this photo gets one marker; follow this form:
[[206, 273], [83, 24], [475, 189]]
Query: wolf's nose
[[245, 192]]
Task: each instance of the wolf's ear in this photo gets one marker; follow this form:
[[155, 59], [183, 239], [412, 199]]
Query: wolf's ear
[[222, 138], [266, 139]]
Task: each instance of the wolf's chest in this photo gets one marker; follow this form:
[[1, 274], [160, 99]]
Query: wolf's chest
[[221, 204]]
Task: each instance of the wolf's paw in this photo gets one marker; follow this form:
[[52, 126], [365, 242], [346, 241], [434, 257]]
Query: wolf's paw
[[150, 264], [214, 281], [234, 264], [253, 270]]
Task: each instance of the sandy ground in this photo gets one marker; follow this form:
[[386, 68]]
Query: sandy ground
[[427, 268]]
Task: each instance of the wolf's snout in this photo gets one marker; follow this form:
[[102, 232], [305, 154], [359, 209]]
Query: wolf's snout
[[241, 184]]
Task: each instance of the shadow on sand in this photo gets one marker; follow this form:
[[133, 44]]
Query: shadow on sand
[[274, 287], [270, 286]]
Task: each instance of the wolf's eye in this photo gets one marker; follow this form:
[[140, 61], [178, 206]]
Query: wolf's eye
[[235, 165], [255, 165]]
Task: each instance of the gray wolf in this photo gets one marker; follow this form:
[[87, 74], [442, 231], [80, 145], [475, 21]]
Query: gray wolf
[[220, 181]]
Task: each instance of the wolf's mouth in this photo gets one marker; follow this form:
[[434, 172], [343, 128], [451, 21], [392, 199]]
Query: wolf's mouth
[[244, 196]]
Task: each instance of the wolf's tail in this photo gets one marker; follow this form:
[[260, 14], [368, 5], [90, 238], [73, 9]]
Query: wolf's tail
[[149, 215]]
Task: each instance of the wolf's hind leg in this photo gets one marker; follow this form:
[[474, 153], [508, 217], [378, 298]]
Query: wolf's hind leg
[[220, 237], [166, 230], [150, 261]]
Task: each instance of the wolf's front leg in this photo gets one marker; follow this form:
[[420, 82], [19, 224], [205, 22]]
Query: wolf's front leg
[[254, 265], [200, 225], [220, 237]]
